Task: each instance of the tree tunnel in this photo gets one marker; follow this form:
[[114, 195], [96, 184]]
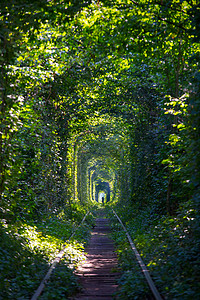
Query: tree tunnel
[[102, 186], [98, 162], [100, 98]]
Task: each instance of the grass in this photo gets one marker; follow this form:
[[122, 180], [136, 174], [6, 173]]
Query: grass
[[26, 252], [168, 248]]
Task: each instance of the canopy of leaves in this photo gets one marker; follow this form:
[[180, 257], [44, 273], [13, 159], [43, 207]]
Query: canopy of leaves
[[99, 90]]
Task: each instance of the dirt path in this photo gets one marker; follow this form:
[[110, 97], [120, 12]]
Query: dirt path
[[98, 274]]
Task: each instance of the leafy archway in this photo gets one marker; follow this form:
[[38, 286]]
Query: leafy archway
[[102, 186], [100, 91]]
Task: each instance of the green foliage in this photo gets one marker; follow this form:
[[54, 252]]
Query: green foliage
[[99, 90], [26, 251], [163, 242], [21, 270], [57, 287]]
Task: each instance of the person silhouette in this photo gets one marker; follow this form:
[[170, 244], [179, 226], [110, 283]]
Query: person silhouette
[[102, 200]]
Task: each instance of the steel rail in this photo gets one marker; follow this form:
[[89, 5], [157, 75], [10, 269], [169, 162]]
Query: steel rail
[[53, 264], [141, 263]]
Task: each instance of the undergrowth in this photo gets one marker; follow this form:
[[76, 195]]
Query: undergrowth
[[168, 248], [26, 252]]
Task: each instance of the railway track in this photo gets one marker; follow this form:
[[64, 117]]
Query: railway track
[[55, 261], [98, 275], [144, 269]]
